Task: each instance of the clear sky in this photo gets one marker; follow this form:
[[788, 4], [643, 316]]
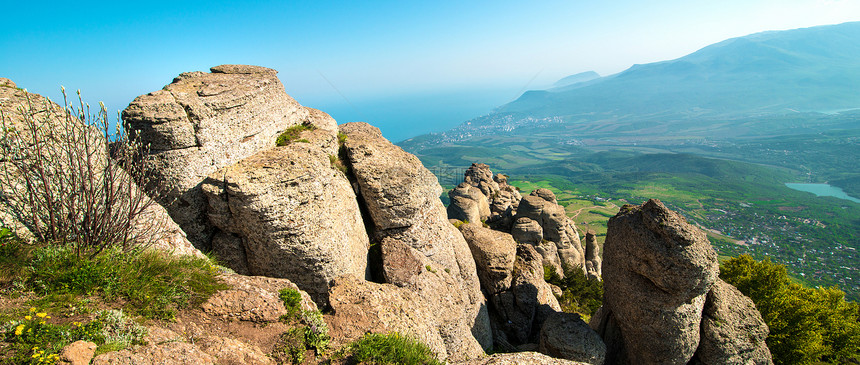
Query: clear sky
[[409, 67]]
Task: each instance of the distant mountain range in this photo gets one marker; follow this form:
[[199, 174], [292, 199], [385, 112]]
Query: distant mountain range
[[777, 74]]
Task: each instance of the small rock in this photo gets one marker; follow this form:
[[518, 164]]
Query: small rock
[[567, 336], [78, 353]]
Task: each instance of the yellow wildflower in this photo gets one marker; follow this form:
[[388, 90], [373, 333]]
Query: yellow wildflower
[[19, 330], [41, 315], [33, 310], [28, 317]]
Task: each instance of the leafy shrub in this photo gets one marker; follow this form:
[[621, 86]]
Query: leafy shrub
[[69, 180], [391, 348], [316, 331], [341, 138], [579, 293], [291, 345], [292, 301], [293, 134], [806, 325]]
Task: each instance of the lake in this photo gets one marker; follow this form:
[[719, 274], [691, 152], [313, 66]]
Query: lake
[[822, 190]]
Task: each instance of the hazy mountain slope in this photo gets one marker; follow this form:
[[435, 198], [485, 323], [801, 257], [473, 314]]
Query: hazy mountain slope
[[810, 69]]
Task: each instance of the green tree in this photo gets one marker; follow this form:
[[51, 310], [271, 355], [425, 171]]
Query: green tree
[[806, 325]]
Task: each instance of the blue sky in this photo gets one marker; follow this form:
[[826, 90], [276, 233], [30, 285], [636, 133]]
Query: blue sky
[[409, 67]]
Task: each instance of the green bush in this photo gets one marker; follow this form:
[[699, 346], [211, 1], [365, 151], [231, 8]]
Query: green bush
[[293, 134], [579, 293], [391, 348], [806, 325], [292, 301]]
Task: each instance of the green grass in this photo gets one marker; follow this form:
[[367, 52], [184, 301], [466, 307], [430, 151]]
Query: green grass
[[391, 348], [151, 284], [293, 134]]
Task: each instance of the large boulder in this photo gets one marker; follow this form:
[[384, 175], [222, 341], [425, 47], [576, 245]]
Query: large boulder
[[253, 299], [494, 253], [567, 336], [657, 271], [402, 200], [502, 199], [527, 230], [150, 226], [286, 213], [468, 204], [733, 331], [202, 122]]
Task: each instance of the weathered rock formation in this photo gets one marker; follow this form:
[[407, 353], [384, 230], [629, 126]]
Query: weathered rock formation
[[541, 207], [593, 261], [409, 222], [567, 336], [152, 227], [495, 253], [286, 213], [519, 312], [536, 219], [202, 122], [468, 204], [733, 331], [658, 271]]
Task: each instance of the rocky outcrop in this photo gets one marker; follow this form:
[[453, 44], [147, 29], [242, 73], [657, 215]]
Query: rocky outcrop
[[170, 353], [593, 262], [732, 331], [567, 336], [468, 204], [495, 253], [409, 220], [556, 227], [502, 199], [657, 271], [151, 227], [286, 213], [202, 122], [519, 312]]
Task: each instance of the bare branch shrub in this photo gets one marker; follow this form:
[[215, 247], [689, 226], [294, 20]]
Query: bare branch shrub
[[66, 178]]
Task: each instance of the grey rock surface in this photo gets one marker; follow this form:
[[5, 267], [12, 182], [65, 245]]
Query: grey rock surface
[[202, 122], [291, 215], [567, 336], [519, 312], [555, 226], [494, 252], [657, 271], [527, 230], [468, 203], [593, 261], [733, 331], [402, 200]]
